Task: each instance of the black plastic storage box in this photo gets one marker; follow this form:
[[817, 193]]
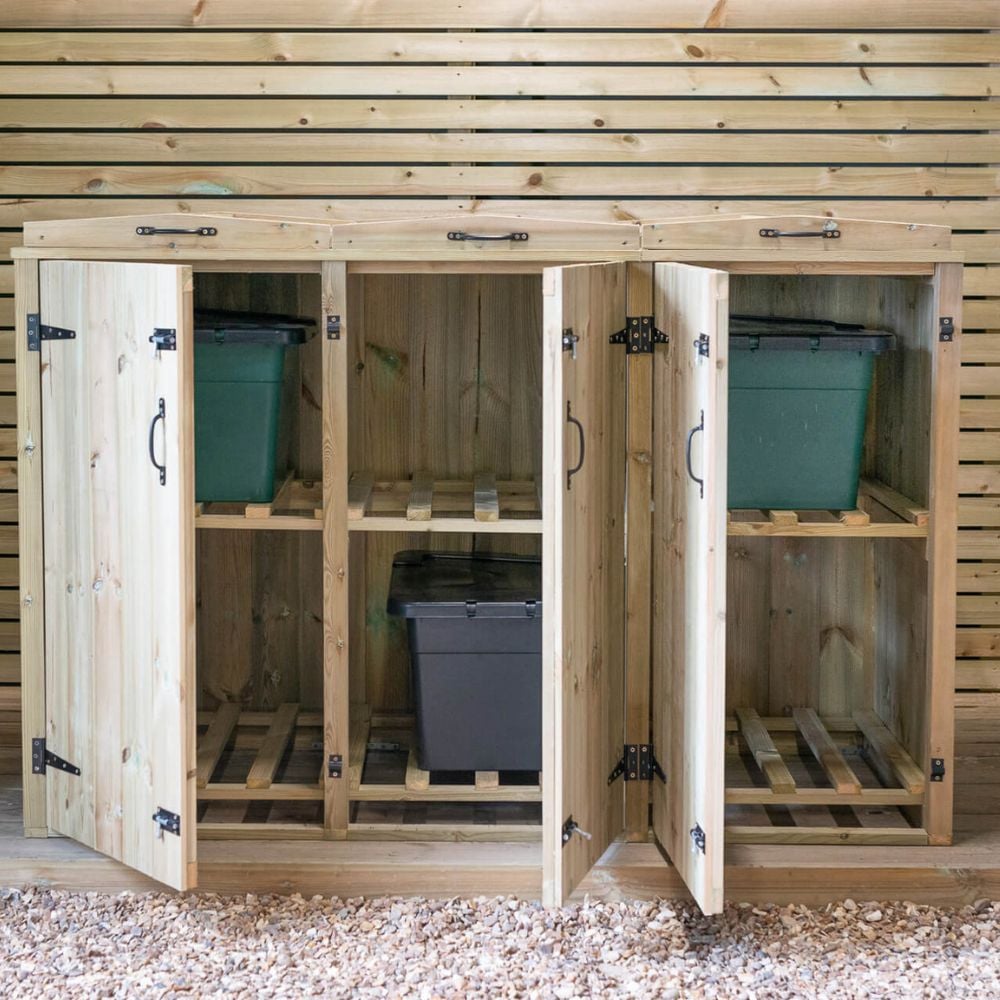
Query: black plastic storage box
[[475, 632]]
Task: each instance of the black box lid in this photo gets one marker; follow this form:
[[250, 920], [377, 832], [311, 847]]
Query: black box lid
[[217, 326], [461, 585], [776, 333]]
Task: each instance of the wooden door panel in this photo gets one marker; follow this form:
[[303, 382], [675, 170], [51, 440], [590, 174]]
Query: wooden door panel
[[689, 573], [119, 547], [583, 571]]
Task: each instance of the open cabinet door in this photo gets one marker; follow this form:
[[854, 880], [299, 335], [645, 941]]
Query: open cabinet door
[[689, 573], [583, 569], [118, 504]]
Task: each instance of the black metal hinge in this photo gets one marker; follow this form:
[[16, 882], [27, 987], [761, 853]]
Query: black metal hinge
[[638, 763], [946, 329], [639, 335], [703, 345], [38, 331], [937, 769], [164, 339], [335, 765], [41, 758], [167, 821], [333, 328]]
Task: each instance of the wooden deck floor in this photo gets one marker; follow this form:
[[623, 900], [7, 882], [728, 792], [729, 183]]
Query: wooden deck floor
[[945, 876]]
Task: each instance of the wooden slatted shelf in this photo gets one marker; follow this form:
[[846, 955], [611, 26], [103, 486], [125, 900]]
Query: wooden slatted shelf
[[426, 504], [881, 513], [297, 506], [419, 785], [806, 780], [273, 751]]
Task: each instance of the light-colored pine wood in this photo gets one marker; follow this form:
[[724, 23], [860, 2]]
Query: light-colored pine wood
[[487, 779], [887, 748], [495, 46], [396, 14], [120, 593], [279, 735], [638, 557], [211, 745], [30, 564], [359, 495], [764, 752], [689, 556], [336, 551], [421, 500], [485, 501], [583, 580], [832, 835], [285, 791], [843, 779], [901, 506], [822, 797], [417, 779]]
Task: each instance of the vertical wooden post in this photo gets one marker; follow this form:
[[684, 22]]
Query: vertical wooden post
[[30, 555], [638, 519], [336, 604], [942, 553]]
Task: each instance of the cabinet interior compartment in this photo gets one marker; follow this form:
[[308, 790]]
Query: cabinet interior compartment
[[444, 429], [260, 604], [828, 672]]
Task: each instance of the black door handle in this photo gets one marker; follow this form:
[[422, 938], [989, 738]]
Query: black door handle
[[474, 238], [583, 445], [161, 414], [818, 234], [690, 441], [155, 231]]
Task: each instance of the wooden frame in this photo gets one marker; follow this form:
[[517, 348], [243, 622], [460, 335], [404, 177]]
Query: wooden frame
[[513, 507]]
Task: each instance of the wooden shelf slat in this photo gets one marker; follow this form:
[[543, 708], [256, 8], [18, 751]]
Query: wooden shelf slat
[[211, 745], [425, 504], [890, 752], [421, 502], [822, 797], [765, 753], [911, 520], [843, 779], [485, 500], [285, 791], [903, 507], [279, 734], [297, 506], [417, 779]]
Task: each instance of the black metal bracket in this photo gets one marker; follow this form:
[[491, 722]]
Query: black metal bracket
[[639, 335], [946, 329], [703, 344], [38, 331], [335, 765], [638, 763], [167, 821], [698, 840], [164, 339], [333, 328], [41, 758], [937, 769]]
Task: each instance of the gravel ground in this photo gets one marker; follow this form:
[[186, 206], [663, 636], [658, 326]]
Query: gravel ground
[[61, 944]]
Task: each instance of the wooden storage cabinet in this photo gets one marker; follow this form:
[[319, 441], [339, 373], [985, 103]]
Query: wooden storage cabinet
[[469, 392]]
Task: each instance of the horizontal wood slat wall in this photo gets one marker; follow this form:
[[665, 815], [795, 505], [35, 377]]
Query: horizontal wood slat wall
[[597, 109]]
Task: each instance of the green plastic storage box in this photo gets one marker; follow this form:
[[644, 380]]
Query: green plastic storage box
[[798, 396], [239, 362]]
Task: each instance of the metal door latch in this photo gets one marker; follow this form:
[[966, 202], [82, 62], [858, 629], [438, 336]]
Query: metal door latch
[[570, 827], [569, 341], [698, 840], [167, 821]]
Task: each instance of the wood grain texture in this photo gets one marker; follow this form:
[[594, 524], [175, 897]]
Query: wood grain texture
[[483, 14], [119, 572]]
